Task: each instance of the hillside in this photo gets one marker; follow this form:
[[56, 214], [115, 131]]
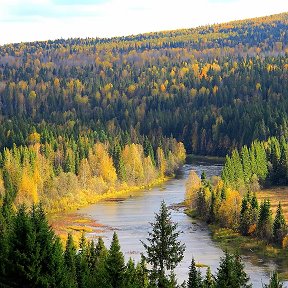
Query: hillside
[[214, 87]]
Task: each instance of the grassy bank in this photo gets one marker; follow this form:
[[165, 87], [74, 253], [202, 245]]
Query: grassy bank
[[258, 251], [87, 197], [190, 158], [64, 219]]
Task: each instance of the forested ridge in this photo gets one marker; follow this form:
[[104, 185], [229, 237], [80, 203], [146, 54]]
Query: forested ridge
[[214, 87]]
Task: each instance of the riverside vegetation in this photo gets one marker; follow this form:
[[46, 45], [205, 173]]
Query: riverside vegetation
[[231, 201]]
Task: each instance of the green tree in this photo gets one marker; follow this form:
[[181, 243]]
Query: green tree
[[194, 276], [209, 281], [231, 273], [164, 250], [279, 226], [115, 264], [70, 261], [264, 226]]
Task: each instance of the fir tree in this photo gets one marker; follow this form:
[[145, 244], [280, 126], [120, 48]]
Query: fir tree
[[164, 251], [279, 226], [264, 226], [115, 264], [231, 273], [194, 276], [70, 261]]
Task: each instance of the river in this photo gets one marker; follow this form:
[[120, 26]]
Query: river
[[130, 217]]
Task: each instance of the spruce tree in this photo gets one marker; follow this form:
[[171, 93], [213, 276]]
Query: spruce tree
[[264, 226], [194, 276], [231, 273], [164, 250], [115, 264], [279, 226], [70, 261]]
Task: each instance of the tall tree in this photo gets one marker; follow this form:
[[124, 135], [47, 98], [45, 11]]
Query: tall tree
[[115, 264], [279, 226], [194, 276], [164, 250]]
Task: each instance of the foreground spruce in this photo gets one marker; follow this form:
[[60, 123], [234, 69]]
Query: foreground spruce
[[164, 250]]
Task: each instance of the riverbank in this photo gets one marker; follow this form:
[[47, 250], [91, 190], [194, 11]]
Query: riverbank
[[88, 197], [192, 158], [257, 250], [71, 222]]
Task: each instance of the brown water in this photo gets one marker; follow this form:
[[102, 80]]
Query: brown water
[[131, 217]]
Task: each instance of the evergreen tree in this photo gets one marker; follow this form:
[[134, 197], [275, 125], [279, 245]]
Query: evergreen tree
[[115, 264], [24, 265], [164, 251], [142, 279], [99, 267], [82, 265], [130, 275], [279, 226], [194, 276], [231, 273], [70, 261], [264, 226]]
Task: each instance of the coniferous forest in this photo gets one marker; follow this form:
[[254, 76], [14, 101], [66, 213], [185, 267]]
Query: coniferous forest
[[82, 119]]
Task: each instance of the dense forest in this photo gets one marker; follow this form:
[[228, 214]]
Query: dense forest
[[82, 119], [215, 88], [32, 256]]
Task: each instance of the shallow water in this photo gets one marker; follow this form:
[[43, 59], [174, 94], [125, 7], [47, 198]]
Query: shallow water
[[131, 217]]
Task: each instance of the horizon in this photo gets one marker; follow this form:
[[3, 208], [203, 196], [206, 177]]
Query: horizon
[[43, 20]]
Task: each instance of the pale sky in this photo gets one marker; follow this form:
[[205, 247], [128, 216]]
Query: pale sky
[[29, 20]]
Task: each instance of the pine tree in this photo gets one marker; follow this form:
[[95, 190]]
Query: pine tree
[[82, 264], [115, 264], [99, 267], [279, 226], [130, 275], [164, 251], [194, 276], [142, 279]]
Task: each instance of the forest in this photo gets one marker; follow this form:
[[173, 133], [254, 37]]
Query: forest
[[84, 119], [33, 256]]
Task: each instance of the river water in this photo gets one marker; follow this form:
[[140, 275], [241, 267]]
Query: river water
[[130, 217]]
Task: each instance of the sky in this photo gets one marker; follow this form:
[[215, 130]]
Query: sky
[[30, 20]]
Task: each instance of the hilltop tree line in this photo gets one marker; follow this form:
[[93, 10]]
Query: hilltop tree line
[[33, 256], [231, 200], [215, 88]]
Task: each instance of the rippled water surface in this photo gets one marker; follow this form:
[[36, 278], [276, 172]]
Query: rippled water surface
[[131, 217]]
